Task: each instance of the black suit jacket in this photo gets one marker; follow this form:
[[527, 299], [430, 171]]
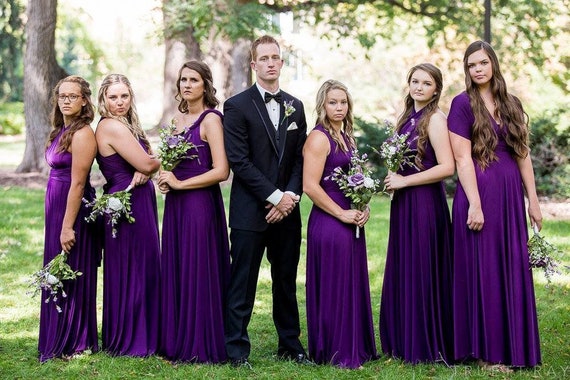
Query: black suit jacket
[[262, 159]]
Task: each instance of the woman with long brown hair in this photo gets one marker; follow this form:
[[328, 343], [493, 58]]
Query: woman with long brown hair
[[494, 306], [71, 327], [415, 305]]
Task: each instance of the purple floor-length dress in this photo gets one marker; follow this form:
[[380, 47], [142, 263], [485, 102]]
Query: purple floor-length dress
[[74, 330], [415, 309], [494, 305], [131, 268], [339, 314], [195, 263]]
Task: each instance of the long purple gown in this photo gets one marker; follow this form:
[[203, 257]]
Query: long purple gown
[[494, 305], [339, 314], [131, 268], [415, 309], [74, 330], [195, 263]]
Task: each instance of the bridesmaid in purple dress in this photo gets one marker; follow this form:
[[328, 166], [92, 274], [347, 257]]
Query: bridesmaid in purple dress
[[339, 314], [494, 306], [131, 281], [415, 316], [195, 248], [70, 152]]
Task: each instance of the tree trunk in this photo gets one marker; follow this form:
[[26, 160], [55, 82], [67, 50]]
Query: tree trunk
[[178, 50], [41, 74], [230, 66]]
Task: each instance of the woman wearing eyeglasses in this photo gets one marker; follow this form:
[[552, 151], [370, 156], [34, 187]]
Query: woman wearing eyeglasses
[[69, 327]]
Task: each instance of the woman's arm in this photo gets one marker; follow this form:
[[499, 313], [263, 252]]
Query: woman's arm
[[527, 174], [461, 148], [315, 152], [114, 137], [439, 139], [212, 132], [83, 149]]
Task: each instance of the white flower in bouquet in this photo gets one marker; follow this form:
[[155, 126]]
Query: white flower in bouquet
[[51, 279], [114, 204], [114, 207]]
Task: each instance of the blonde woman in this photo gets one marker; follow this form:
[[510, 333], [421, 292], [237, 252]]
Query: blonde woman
[[131, 259], [339, 314]]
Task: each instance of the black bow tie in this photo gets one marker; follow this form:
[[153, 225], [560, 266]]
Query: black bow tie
[[269, 96]]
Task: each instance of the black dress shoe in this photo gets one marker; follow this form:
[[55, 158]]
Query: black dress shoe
[[300, 358], [240, 363]]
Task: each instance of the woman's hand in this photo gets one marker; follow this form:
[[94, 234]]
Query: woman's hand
[[394, 181], [67, 239], [166, 181], [535, 215], [475, 218], [364, 217], [139, 179], [350, 216]]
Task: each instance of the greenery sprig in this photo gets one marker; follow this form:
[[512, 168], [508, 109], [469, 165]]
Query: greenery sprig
[[50, 278], [115, 207]]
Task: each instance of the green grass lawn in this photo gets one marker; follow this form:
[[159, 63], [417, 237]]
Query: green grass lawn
[[21, 232]]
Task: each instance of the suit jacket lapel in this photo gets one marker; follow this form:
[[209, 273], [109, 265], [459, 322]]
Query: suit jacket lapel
[[282, 129], [259, 105]]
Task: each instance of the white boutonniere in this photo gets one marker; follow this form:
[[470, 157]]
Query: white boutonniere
[[289, 109]]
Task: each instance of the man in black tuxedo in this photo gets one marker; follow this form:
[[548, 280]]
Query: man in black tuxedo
[[264, 132]]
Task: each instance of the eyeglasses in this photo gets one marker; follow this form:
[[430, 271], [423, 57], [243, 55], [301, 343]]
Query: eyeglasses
[[72, 98]]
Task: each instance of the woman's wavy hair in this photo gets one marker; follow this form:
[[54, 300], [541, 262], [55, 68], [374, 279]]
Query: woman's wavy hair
[[210, 100], [429, 109], [322, 119], [131, 120], [508, 110], [84, 118]]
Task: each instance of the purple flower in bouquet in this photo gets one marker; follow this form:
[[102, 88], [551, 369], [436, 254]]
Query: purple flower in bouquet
[[356, 180], [173, 141], [357, 184], [173, 147]]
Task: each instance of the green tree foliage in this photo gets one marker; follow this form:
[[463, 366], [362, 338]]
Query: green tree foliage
[[535, 30], [77, 52], [549, 148], [11, 42], [215, 18]]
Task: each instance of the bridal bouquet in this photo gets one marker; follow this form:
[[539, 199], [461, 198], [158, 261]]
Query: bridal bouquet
[[172, 147], [357, 184], [50, 278], [114, 206], [542, 255]]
